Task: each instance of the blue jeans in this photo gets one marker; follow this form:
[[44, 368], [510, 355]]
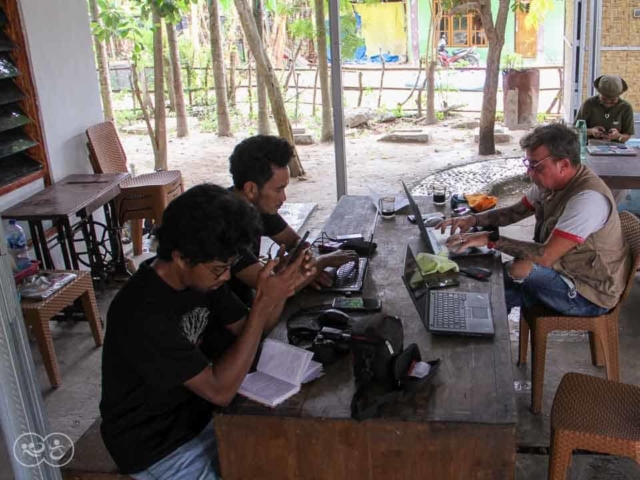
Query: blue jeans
[[546, 286], [195, 460]]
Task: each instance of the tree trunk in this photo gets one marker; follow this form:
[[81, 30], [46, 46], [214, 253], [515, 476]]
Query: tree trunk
[[146, 96], [323, 68], [145, 110], [160, 114], [194, 27], [431, 97], [231, 87], [273, 89], [263, 107], [168, 76], [495, 36], [180, 109], [217, 57], [103, 67]]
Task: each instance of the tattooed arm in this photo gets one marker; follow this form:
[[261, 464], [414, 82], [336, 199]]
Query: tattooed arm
[[543, 254], [501, 217]]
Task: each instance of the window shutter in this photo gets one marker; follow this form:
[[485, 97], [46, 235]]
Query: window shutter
[[22, 153]]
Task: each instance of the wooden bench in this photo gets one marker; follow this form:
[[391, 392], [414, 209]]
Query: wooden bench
[[91, 460]]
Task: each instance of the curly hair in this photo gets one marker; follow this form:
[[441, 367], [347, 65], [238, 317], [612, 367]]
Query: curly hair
[[205, 223], [254, 158], [560, 140]]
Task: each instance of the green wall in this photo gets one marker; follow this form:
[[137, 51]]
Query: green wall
[[551, 33]]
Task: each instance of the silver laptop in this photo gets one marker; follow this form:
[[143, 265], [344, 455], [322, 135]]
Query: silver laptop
[[447, 311], [436, 241]]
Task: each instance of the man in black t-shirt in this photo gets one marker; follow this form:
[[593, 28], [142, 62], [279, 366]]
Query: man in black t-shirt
[[179, 342], [259, 167]]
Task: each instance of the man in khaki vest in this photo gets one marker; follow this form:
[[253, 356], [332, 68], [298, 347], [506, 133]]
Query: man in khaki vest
[[579, 262]]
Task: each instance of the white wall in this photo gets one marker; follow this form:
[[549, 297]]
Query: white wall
[[62, 61], [60, 47]]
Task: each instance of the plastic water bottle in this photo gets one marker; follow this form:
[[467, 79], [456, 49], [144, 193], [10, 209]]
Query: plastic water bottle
[[581, 126], [17, 243]]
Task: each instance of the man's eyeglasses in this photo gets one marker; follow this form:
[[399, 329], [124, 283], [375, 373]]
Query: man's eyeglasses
[[219, 270], [526, 161]]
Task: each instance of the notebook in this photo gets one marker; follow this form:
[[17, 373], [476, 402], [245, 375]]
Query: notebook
[[281, 369], [436, 241], [350, 276], [447, 311]]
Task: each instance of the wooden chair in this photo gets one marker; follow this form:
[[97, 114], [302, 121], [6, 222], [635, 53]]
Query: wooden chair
[[38, 313], [141, 197], [591, 413], [603, 330]]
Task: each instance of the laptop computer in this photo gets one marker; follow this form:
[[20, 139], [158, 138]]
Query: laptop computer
[[447, 311], [436, 241], [350, 276], [615, 150]]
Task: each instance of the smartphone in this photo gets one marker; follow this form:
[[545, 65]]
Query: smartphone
[[298, 248], [357, 303]]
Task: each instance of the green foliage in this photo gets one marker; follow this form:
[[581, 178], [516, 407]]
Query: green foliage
[[121, 21], [302, 28], [511, 61], [541, 117], [499, 116], [397, 112], [128, 117], [351, 38]]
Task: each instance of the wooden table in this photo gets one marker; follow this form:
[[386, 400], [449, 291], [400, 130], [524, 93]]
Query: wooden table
[[618, 172], [75, 197], [463, 429]]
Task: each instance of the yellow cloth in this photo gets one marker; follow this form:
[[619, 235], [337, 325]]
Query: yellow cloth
[[383, 27], [480, 202], [429, 264]]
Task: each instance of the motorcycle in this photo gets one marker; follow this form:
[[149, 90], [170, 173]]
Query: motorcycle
[[464, 54]]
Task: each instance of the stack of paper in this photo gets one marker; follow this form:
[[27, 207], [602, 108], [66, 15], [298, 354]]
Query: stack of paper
[[281, 369]]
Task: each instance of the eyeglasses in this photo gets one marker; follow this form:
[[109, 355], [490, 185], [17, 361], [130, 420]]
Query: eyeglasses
[[526, 161], [219, 270]]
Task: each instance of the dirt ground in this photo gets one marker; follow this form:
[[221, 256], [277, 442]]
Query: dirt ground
[[203, 157]]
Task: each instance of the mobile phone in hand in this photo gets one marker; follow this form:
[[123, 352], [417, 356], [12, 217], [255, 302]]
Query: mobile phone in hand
[[298, 248]]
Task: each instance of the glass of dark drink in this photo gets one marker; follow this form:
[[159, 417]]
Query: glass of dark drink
[[387, 205], [440, 194]]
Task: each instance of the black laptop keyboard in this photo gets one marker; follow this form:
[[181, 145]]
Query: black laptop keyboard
[[348, 275], [449, 311]]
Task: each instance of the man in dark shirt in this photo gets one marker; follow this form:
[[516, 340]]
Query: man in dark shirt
[[259, 167], [608, 117], [179, 342]]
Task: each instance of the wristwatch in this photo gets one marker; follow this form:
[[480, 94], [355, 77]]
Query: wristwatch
[[494, 236]]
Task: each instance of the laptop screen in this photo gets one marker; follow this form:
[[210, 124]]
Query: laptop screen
[[419, 221], [415, 284]]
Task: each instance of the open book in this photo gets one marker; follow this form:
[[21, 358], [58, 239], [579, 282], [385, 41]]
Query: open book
[[281, 370]]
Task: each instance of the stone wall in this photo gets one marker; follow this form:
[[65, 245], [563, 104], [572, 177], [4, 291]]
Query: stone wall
[[620, 29]]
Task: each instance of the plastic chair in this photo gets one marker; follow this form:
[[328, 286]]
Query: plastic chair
[[38, 313], [142, 197], [591, 413], [603, 330]]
